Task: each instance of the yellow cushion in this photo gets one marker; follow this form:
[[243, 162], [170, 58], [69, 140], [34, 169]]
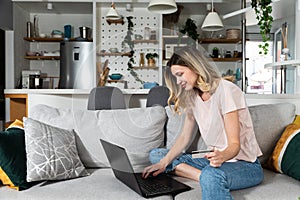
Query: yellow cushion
[[16, 124], [297, 120], [6, 180]]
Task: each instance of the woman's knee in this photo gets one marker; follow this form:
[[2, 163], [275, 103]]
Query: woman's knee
[[211, 176], [157, 154]]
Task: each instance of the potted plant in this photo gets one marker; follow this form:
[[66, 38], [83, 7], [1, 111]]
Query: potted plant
[[190, 29], [263, 10], [130, 44], [151, 58]]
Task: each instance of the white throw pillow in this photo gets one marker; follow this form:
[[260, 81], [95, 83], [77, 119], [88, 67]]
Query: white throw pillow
[[138, 130], [51, 152]]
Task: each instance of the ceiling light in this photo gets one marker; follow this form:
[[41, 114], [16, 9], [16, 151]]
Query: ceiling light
[[112, 13], [162, 6], [251, 19], [212, 21]]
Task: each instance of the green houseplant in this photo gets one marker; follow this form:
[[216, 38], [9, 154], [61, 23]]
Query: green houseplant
[[190, 29], [151, 58], [263, 10], [130, 44]]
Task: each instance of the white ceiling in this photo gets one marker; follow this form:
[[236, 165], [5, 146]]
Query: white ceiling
[[281, 8], [58, 7]]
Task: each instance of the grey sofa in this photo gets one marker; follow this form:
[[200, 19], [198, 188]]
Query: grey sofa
[[269, 122]]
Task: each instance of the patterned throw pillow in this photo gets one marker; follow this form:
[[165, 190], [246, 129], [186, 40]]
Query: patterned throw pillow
[[286, 155], [51, 152]]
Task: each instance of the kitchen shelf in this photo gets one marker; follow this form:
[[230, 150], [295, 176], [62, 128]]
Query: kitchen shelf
[[174, 36], [115, 54], [228, 59], [145, 41], [42, 57], [48, 39], [115, 21], [221, 41], [115, 81], [146, 67], [283, 63]]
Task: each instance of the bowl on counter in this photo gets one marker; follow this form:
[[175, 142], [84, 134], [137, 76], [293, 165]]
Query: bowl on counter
[[149, 85], [32, 53], [115, 76], [114, 50], [43, 35], [138, 37]]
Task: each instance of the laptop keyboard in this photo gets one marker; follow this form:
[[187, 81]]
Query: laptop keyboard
[[153, 187]]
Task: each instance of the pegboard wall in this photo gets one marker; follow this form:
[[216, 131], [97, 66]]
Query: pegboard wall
[[111, 36]]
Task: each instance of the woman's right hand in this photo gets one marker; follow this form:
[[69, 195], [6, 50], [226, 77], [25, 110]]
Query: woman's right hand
[[154, 169]]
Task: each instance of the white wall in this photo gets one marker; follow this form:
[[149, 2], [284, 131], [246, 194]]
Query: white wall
[[9, 69], [297, 44]]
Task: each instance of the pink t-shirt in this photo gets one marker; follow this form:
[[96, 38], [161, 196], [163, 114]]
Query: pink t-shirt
[[209, 116]]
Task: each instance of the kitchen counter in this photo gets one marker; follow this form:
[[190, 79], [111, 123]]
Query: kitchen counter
[[69, 91], [22, 100]]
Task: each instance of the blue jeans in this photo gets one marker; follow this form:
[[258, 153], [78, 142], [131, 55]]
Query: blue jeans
[[216, 182]]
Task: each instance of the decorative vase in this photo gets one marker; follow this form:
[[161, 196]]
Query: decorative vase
[[142, 60], [151, 62]]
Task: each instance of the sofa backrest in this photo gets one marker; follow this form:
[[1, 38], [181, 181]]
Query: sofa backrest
[[138, 130], [269, 122]]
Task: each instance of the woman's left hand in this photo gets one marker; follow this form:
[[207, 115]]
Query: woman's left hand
[[215, 158]]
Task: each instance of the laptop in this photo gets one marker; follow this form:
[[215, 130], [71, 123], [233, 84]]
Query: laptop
[[162, 184]]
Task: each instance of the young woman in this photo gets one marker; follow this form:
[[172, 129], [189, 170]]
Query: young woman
[[220, 111]]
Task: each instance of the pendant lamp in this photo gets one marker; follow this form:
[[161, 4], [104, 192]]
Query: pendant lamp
[[162, 6], [212, 21], [251, 18], [112, 13]]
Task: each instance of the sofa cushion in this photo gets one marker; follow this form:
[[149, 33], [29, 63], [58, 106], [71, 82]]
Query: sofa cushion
[[269, 121], [297, 120], [138, 130], [286, 155], [51, 152], [274, 186], [13, 158], [100, 185]]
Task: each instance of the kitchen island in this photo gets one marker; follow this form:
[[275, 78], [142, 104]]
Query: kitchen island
[[20, 101]]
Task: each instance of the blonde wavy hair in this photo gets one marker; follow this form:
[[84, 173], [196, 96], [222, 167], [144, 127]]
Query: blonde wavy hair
[[208, 76]]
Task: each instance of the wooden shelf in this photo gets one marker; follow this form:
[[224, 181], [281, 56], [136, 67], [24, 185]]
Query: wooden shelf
[[48, 39], [145, 41], [227, 59], [115, 21], [146, 67], [32, 39], [215, 40], [115, 54], [42, 57], [283, 63], [115, 81], [174, 36]]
